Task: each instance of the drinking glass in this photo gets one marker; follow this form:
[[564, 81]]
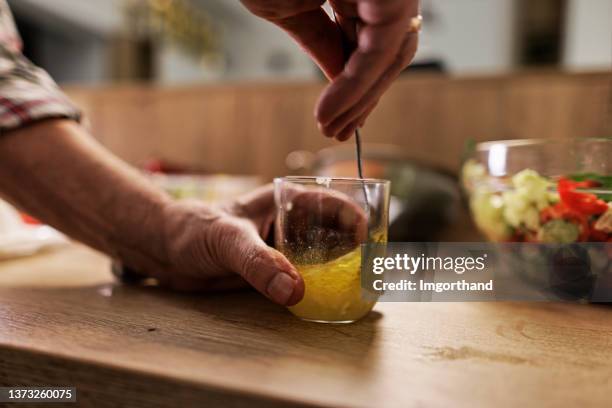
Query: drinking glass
[[320, 226]]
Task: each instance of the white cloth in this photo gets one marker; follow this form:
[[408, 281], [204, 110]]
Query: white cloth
[[18, 239]]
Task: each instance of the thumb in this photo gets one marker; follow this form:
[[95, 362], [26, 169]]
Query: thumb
[[263, 267]]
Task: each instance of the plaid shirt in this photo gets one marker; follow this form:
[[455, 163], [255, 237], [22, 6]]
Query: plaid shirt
[[27, 93]]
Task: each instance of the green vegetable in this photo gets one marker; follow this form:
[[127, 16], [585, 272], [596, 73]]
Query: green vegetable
[[559, 232], [604, 181]]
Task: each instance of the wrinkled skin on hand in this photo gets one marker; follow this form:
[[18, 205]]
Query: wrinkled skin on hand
[[376, 30], [219, 248]]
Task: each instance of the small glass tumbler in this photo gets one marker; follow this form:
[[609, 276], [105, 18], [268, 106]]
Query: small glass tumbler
[[320, 225]]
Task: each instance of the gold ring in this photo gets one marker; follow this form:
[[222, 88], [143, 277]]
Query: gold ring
[[416, 24]]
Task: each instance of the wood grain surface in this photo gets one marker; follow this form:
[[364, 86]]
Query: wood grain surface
[[64, 322]]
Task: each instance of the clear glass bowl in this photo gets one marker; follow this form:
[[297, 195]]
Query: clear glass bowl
[[516, 193], [320, 226]]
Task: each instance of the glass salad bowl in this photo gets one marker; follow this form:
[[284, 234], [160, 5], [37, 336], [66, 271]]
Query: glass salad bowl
[[556, 191]]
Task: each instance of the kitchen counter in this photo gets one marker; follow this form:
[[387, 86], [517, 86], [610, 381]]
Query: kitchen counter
[[64, 322]]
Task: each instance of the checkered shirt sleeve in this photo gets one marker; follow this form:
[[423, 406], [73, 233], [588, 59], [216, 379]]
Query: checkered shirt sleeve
[[27, 93]]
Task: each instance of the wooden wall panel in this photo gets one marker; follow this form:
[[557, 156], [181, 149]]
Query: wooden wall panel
[[280, 120], [250, 128], [559, 106], [403, 117]]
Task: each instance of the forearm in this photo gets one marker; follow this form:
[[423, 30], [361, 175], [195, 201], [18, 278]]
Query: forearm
[[56, 172]]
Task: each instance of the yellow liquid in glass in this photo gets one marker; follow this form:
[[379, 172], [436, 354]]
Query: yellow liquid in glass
[[333, 290]]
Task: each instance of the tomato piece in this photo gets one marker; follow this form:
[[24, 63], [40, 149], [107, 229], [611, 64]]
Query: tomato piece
[[560, 211]]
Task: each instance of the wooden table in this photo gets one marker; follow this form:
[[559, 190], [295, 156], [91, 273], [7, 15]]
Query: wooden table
[[63, 322]]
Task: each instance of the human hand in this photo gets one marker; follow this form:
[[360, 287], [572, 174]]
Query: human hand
[[223, 248], [383, 48]]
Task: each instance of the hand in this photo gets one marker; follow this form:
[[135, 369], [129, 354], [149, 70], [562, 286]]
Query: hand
[[383, 48], [53, 168], [223, 248]]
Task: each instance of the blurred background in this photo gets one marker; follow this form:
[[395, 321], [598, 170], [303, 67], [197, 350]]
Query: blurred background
[[202, 87], [187, 41]]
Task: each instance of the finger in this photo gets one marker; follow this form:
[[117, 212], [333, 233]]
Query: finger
[[378, 46], [348, 131], [260, 200], [366, 114], [331, 210], [345, 9], [346, 16], [347, 120], [369, 101], [320, 37], [257, 206], [379, 43], [377, 12], [264, 268], [341, 124], [274, 11]]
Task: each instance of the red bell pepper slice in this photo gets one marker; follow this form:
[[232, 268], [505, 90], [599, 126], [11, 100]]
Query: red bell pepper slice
[[583, 203], [598, 236]]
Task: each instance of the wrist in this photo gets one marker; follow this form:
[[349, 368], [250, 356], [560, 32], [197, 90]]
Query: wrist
[[139, 239]]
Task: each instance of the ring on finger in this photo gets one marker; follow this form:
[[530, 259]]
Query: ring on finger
[[415, 25]]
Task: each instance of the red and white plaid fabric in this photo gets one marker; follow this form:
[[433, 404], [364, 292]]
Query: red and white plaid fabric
[[27, 93]]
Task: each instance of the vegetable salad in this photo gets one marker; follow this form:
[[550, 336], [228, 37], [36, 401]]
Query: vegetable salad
[[531, 208]]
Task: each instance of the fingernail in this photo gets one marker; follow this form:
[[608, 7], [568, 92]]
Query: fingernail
[[342, 137], [322, 129], [281, 288]]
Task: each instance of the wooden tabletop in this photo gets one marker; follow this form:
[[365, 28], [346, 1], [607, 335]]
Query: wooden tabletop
[[64, 322]]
